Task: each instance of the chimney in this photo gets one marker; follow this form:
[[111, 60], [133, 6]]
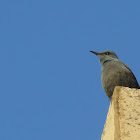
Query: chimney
[[123, 118]]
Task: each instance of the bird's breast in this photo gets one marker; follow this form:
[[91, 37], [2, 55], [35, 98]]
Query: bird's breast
[[110, 77]]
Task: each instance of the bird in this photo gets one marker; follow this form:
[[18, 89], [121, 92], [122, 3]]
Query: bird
[[114, 72]]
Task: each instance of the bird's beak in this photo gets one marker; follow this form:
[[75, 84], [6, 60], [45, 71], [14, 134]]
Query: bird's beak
[[95, 52]]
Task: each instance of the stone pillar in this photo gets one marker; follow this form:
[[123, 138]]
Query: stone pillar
[[123, 119]]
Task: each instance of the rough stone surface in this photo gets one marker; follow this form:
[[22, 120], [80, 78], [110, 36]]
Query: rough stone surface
[[123, 119]]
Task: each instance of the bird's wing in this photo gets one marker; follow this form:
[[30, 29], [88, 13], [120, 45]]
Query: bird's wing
[[131, 72]]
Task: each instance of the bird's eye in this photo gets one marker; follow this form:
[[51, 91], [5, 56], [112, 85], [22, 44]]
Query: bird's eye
[[107, 53]]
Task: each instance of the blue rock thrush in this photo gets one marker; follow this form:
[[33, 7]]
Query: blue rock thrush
[[114, 73]]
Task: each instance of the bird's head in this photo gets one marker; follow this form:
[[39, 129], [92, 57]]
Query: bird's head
[[105, 56]]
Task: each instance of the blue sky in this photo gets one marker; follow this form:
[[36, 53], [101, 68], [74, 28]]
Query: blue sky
[[50, 82]]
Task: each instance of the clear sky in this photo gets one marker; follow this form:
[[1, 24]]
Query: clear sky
[[50, 86]]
